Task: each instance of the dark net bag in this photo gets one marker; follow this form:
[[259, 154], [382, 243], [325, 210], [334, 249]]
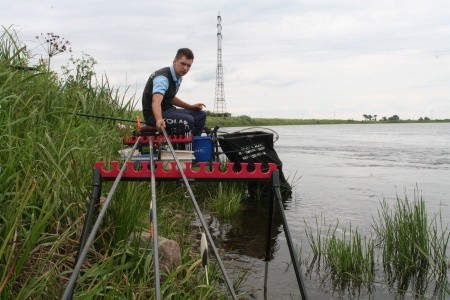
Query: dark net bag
[[251, 147]]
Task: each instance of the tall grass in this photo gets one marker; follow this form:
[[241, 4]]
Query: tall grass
[[351, 259], [413, 249], [348, 256], [46, 159], [227, 200]]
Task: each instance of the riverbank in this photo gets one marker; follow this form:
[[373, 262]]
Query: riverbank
[[240, 121]]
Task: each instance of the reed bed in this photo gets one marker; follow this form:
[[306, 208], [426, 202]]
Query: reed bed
[[347, 255], [350, 259], [412, 249], [226, 202]]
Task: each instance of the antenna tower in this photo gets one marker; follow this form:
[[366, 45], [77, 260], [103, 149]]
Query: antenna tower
[[219, 101]]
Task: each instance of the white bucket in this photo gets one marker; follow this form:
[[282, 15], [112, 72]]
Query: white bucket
[[182, 155], [125, 152]]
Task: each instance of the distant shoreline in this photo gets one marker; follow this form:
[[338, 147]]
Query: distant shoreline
[[238, 121]]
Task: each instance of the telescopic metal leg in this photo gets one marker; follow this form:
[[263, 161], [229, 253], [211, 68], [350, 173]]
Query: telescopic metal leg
[[153, 218], [276, 185], [93, 203], [268, 244]]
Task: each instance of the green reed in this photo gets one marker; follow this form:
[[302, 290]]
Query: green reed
[[316, 239], [227, 200], [348, 256], [413, 249]]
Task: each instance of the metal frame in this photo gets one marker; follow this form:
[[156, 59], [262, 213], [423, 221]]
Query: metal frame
[[203, 172]]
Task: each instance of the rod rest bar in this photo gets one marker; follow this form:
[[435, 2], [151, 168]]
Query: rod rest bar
[[202, 170]]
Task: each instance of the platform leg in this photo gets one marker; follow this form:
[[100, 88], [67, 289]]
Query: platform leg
[[268, 243], [93, 203], [276, 185]]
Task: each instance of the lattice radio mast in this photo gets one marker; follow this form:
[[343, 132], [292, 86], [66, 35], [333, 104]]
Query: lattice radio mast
[[219, 101]]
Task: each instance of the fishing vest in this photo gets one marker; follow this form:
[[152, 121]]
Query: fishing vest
[[148, 93]]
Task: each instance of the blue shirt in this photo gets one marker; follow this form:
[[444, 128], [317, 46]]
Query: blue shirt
[[161, 83]]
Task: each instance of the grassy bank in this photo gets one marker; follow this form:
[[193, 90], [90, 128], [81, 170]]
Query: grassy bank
[[46, 163]]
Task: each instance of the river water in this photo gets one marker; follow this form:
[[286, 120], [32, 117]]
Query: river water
[[339, 173]]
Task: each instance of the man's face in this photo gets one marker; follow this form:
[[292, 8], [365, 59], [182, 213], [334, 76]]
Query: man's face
[[182, 65]]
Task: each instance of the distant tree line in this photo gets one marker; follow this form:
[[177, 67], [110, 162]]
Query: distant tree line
[[370, 117], [393, 118], [424, 119]]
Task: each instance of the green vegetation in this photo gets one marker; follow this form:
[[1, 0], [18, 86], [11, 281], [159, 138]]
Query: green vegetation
[[348, 256], [228, 199], [413, 252], [46, 178], [239, 121], [413, 249], [350, 259]]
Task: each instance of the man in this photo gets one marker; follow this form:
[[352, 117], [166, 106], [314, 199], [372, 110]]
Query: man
[[159, 98]]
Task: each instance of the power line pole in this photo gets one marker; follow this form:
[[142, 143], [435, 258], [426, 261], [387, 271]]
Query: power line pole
[[219, 101]]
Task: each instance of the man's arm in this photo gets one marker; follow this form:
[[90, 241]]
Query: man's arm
[[180, 103], [157, 111]]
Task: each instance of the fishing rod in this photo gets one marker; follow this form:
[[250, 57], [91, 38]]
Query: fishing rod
[[153, 221], [200, 216], [76, 271], [103, 117]]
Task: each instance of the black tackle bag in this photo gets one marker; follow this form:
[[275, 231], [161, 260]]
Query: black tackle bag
[[251, 147]]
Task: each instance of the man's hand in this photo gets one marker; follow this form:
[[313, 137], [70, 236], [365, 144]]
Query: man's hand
[[160, 124], [198, 106]]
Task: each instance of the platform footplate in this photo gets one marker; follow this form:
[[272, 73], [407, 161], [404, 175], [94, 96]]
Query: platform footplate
[[201, 170]]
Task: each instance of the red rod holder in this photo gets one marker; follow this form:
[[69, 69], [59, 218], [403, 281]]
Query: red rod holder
[[215, 170]]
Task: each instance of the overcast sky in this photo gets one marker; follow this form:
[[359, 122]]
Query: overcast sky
[[286, 59]]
